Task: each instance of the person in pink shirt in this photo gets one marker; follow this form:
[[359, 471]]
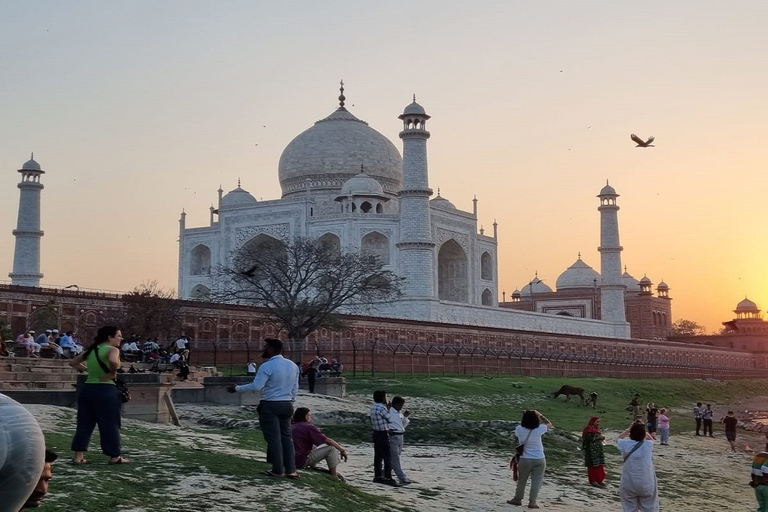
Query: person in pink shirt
[[311, 446], [663, 426]]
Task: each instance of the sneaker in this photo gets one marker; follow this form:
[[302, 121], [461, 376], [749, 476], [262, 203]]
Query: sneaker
[[533, 504], [390, 481], [406, 482], [378, 480], [513, 501]]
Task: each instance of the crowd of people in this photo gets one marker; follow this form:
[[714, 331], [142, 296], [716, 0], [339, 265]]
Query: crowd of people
[[57, 345], [294, 442]]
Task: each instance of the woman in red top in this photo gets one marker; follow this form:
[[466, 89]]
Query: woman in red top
[[308, 441]]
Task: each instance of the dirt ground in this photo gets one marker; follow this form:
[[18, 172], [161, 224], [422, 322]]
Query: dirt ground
[[695, 474]]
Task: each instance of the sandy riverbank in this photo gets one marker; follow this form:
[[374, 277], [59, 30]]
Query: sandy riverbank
[[695, 474]]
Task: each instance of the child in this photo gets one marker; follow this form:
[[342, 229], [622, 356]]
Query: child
[[664, 426]]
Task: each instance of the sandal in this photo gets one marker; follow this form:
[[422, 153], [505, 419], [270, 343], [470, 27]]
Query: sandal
[[78, 462], [292, 475], [119, 460], [273, 475]]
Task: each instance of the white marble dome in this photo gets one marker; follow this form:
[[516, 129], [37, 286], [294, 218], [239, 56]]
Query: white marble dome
[[632, 284], [746, 306], [331, 152], [237, 198], [608, 190], [414, 109], [578, 275], [30, 165], [361, 185], [537, 285], [441, 202]]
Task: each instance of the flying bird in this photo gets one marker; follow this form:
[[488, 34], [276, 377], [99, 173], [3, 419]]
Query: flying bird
[[641, 143]]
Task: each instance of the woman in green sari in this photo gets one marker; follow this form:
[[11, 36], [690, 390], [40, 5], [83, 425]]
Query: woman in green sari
[[592, 446]]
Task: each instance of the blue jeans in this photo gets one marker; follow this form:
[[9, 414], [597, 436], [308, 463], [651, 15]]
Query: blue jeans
[[98, 404], [275, 422]]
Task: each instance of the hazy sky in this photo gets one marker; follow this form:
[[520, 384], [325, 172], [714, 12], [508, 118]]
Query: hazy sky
[[138, 109]]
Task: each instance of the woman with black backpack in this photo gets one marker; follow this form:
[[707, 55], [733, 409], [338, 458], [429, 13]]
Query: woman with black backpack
[[99, 401]]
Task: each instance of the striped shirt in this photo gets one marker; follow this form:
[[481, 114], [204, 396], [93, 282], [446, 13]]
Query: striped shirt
[[380, 419], [760, 468]]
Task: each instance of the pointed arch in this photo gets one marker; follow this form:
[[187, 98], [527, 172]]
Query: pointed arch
[[487, 298], [486, 266], [200, 292], [376, 244], [331, 242], [452, 274], [200, 260]]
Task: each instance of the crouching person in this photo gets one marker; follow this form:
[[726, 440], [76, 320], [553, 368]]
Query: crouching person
[[311, 446]]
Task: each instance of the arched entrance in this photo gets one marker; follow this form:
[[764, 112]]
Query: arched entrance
[[452, 282]]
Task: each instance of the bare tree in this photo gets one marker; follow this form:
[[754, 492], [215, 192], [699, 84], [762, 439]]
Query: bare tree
[[152, 311], [304, 285]]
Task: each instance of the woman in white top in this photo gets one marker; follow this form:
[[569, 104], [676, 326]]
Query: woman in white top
[[532, 464], [638, 489]]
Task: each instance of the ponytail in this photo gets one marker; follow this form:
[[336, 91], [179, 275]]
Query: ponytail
[[102, 336]]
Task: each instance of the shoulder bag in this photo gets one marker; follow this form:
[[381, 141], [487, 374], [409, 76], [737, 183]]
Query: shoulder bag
[[122, 387], [516, 457], [634, 449]]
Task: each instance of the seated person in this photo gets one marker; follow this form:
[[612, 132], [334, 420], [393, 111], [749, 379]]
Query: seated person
[[312, 446], [27, 340], [67, 345], [3, 348], [174, 358]]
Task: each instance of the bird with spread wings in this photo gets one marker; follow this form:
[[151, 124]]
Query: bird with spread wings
[[641, 143]]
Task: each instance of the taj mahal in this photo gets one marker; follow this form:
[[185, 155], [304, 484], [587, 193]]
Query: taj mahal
[[347, 185]]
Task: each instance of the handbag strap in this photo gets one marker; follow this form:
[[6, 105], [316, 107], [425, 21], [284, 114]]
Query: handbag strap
[[634, 449], [526, 438], [101, 363]]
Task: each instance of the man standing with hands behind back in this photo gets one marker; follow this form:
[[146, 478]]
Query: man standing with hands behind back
[[278, 381]]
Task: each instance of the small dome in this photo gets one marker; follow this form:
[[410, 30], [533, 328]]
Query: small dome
[[608, 190], [414, 109], [632, 284], [746, 306], [237, 198], [441, 202], [537, 286], [30, 165], [578, 275], [516, 293], [662, 286], [362, 185], [646, 280]]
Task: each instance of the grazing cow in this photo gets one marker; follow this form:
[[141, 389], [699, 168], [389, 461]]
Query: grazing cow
[[570, 390]]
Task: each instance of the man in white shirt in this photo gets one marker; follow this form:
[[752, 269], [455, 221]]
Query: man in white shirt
[[278, 381], [398, 421], [181, 344]]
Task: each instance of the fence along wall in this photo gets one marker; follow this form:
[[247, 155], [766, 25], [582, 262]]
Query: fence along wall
[[437, 349]]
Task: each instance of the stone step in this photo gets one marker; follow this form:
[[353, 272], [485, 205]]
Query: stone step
[[37, 369], [36, 377], [35, 361], [36, 385]]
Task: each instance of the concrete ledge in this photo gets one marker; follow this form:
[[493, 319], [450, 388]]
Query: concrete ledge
[[188, 395], [61, 398], [215, 391], [148, 402], [329, 386]]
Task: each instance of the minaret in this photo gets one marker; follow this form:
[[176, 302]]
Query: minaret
[[416, 262], [612, 286], [26, 257], [182, 260]]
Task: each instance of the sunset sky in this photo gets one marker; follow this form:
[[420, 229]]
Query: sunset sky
[[136, 110]]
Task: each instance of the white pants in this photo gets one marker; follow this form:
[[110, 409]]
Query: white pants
[[633, 503], [328, 453]]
